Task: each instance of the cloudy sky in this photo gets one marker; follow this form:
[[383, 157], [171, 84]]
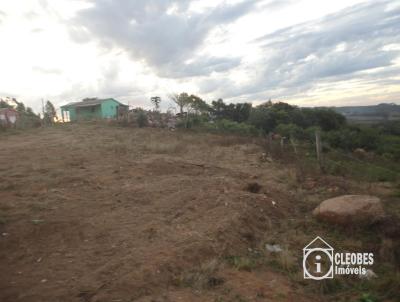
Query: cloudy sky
[[305, 52]]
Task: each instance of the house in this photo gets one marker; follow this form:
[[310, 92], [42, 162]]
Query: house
[[8, 117], [93, 108]]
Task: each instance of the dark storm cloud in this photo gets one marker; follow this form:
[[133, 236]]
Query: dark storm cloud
[[165, 41], [340, 46]]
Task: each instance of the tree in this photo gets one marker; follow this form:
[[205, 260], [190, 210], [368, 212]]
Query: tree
[[241, 112], [50, 114], [198, 105], [29, 111], [262, 118], [4, 104], [182, 100], [27, 118], [142, 119], [327, 119], [156, 100], [20, 107]]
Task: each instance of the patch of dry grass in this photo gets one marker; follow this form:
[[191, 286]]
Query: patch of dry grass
[[204, 277], [172, 147]]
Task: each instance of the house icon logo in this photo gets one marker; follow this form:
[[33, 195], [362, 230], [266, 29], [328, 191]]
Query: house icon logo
[[318, 260]]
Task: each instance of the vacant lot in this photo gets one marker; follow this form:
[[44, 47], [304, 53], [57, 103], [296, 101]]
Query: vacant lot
[[92, 212]]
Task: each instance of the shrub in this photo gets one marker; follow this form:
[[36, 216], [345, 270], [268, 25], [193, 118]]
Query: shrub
[[228, 126], [141, 119], [290, 130]]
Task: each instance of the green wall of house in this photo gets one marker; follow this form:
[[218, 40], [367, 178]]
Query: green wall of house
[[72, 114], [107, 109], [88, 113]]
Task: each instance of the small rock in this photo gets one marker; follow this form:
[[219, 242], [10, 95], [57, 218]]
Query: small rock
[[273, 248], [4, 234], [369, 274], [43, 280], [360, 153], [265, 158]]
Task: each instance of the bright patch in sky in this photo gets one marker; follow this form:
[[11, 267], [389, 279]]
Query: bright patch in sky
[[307, 52]]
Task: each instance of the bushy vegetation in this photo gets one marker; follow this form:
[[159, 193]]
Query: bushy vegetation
[[291, 122], [141, 119], [229, 126], [26, 117], [364, 152]]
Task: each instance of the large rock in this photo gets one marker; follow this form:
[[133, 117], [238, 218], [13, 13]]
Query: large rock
[[350, 209]]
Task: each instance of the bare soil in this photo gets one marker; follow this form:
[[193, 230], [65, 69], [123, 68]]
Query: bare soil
[[90, 212]]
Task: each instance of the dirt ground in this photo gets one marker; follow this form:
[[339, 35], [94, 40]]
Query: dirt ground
[[100, 213]]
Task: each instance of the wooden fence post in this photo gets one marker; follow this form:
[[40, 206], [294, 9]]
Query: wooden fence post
[[282, 142], [318, 146], [293, 145], [269, 143]]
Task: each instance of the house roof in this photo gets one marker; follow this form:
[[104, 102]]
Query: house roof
[[322, 241], [89, 103]]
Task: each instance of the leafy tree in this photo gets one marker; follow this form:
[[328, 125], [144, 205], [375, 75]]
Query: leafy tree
[[198, 105], [50, 114], [20, 107], [29, 111], [327, 119], [142, 119], [182, 100], [27, 118], [239, 112], [4, 104], [261, 118], [290, 130], [219, 108]]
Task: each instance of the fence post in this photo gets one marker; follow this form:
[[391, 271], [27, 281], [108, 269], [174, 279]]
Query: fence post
[[269, 143], [293, 145], [282, 142], [318, 146]]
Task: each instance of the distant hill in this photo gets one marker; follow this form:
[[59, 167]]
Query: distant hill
[[370, 114]]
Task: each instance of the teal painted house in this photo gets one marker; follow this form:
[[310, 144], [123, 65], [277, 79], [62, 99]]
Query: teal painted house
[[93, 108]]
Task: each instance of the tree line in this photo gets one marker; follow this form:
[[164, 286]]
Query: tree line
[[289, 121], [26, 117]]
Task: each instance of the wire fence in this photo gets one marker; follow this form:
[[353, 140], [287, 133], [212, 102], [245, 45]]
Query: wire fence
[[309, 157]]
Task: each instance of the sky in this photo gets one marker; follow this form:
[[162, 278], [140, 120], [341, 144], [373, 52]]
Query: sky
[[304, 52]]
